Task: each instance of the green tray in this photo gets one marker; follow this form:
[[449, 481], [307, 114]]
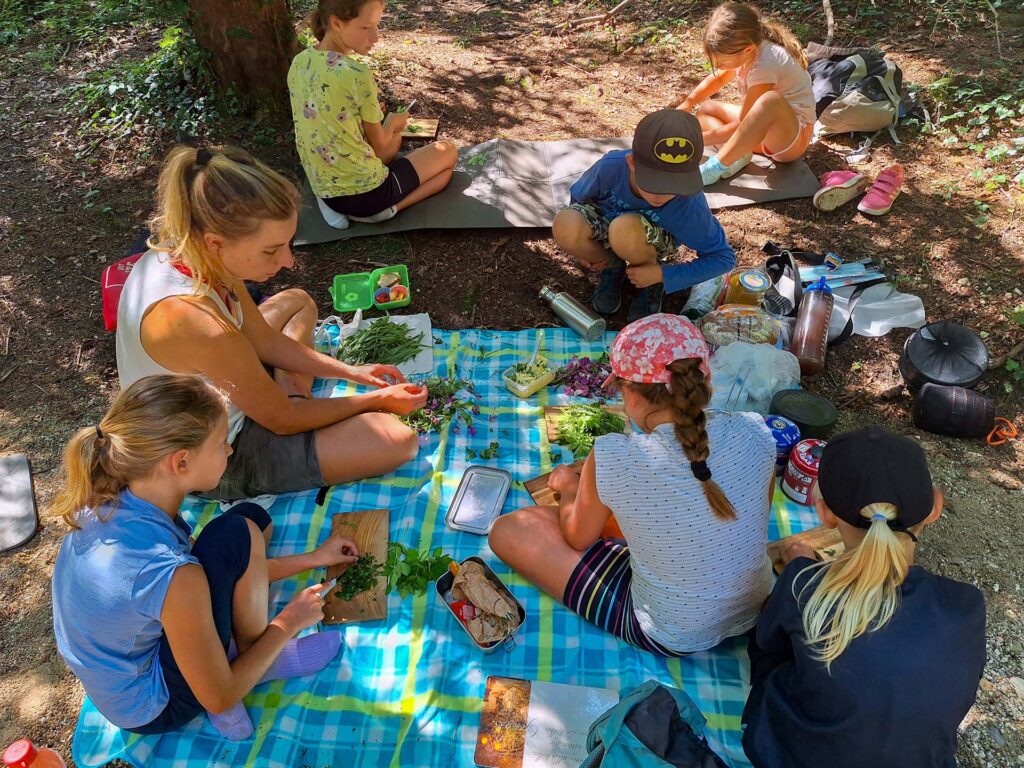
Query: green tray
[[355, 290]]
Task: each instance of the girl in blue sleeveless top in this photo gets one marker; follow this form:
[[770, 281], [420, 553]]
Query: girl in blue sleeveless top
[[159, 629]]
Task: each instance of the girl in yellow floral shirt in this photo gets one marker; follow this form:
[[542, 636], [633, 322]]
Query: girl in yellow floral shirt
[[347, 148]]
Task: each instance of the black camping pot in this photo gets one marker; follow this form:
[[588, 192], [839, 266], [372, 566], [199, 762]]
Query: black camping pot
[[944, 353], [813, 414], [954, 411]]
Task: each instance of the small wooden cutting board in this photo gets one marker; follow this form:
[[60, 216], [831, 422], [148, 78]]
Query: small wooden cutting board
[[552, 412], [423, 128], [539, 491], [826, 543], [369, 530]]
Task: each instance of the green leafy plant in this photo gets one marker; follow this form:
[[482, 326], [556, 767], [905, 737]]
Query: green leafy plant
[[579, 425], [172, 90], [382, 341], [410, 571], [445, 403]]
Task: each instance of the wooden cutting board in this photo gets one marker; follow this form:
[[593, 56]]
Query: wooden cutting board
[[545, 497], [369, 530], [552, 412], [826, 543], [539, 491], [427, 128]]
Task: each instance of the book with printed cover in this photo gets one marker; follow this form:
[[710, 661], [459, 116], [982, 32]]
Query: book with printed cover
[[532, 724]]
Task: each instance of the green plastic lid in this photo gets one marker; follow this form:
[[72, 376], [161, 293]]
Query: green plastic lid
[[813, 414]]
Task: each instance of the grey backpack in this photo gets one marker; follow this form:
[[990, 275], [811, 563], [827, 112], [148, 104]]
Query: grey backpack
[[855, 90]]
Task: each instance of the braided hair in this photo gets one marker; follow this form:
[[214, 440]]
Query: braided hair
[[687, 394]]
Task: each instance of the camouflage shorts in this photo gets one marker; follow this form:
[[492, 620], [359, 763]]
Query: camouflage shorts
[[663, 242]]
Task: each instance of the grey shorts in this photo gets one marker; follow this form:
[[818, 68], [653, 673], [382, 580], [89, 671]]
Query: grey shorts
[[265, 462]]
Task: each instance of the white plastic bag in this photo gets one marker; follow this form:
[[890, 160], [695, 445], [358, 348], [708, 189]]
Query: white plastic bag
[[745, 376], [331, 331]]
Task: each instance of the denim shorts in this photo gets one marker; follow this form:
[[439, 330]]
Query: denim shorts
[[265, 462]]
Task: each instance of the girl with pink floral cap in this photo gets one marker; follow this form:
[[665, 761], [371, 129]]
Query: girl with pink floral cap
[[691, 495]]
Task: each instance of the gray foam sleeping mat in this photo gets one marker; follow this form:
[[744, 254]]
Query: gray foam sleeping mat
[[18, 517], [504, 183]]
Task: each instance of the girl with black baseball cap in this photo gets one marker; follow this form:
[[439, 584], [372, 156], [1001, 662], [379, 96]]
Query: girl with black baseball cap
[[868, 659]]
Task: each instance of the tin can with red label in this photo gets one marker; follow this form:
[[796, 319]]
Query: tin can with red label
[[802, 470], [786, 434]]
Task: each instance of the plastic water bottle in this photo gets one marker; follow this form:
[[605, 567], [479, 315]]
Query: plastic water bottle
[[24, 754], [810, 337]]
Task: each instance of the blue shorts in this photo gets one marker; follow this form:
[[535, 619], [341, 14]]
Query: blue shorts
[[223, 550]]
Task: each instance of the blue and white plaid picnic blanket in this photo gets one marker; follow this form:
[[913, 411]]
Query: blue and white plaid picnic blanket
[[407, 691]]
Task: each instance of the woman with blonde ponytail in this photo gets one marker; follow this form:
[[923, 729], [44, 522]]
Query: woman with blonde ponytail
[[224, 218], [867, 660], [157, 628], [777, 115], [688, 492]]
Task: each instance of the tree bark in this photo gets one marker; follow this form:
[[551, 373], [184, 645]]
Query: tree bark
[[251, 44]]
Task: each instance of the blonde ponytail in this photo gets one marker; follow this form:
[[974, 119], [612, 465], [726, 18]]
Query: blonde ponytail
[[222, 191], [155, 416], [782, 35], [687, 395], [858, 592], [733, 26]]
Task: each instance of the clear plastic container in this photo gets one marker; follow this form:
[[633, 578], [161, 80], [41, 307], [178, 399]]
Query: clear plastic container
[[532, 387]]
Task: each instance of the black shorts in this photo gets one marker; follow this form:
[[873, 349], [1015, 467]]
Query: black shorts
[[402, 179]]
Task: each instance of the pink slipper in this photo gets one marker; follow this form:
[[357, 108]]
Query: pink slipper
[[838, 188], [883, 192]]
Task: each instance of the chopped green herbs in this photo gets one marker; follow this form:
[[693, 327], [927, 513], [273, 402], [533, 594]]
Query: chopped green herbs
[[360, 576], [524, 373], [383, 342], [410, 571], [579, 425]]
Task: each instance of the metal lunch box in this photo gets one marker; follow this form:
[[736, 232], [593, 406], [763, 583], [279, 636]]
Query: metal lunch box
[[490, 498], [444, 588]]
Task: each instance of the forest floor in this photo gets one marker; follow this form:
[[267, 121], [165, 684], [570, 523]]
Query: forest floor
[[72, 201]]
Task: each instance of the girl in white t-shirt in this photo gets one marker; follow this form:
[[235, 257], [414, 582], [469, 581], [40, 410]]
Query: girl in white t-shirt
[[691, 568], [777, 115]]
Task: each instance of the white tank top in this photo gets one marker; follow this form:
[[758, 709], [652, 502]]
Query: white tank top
[[152, 279]]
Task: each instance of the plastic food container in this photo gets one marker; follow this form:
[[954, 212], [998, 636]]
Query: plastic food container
[[478, 500], [531, 387], [444, 589], [363, 290], [814, 415]]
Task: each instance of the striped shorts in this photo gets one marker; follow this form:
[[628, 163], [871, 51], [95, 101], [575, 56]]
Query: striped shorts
[[599, 591]]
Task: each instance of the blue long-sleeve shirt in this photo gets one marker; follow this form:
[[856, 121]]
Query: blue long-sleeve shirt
[[687, 219]]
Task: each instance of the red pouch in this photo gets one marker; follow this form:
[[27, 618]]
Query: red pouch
[[114, 278]]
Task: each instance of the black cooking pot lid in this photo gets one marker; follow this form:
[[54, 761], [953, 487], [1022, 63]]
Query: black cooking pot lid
[[948, 353]]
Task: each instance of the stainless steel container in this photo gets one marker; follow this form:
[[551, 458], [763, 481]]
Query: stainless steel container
[[444, 588], [581, 319]]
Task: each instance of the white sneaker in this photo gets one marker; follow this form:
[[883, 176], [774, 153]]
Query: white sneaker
[[377, 218], [331, 216]]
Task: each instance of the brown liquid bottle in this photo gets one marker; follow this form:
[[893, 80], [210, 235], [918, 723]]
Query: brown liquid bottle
[[810, 336]]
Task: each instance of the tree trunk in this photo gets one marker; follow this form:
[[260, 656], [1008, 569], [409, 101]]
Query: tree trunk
[[251, 44]]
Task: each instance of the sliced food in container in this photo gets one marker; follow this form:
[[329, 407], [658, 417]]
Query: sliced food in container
[[481, 604]]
